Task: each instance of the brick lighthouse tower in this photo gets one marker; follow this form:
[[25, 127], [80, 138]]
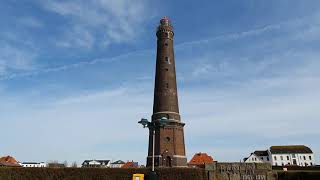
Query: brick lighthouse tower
[[169, 139]]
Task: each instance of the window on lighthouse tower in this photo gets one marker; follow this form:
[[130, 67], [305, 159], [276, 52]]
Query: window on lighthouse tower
[[167, 59]]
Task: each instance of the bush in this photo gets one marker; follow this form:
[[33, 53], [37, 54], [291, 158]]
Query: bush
[[98, 173]]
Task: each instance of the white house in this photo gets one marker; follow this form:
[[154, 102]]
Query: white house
[[292, 155], [299, 155], [96, 163], [258, 157], [117, 164], [33, 164]]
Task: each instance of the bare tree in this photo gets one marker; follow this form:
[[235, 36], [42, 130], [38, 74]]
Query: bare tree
[[65, 164], [74, 164]]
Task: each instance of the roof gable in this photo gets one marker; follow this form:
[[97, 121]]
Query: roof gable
[[200, 159], [249, 159], [261, 153], [8, 159], [95, 162], [118, 162], [130, 164]]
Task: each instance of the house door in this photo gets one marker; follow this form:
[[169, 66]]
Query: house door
[[294, 162], [168, 161]]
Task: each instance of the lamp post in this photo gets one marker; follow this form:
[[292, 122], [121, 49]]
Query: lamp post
[[152, 127]]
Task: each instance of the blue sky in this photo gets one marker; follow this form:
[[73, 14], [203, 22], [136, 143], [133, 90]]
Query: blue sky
[[76, 76]]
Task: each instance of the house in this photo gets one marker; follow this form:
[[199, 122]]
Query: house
[[130, 164], [297, 155], [200, 159], [258, 157], [9, 161], [33, 164], [96, 163], [117, 164]]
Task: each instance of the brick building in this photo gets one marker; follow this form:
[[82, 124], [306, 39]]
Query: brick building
[[169, 140]]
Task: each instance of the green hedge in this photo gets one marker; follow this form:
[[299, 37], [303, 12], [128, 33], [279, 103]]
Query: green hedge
[[98, 173]]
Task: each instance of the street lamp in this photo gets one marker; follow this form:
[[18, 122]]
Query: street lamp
[[152, 126]]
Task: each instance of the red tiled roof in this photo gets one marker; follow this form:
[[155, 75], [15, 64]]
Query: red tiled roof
[[200, 159], [8, 159], [129, 164]]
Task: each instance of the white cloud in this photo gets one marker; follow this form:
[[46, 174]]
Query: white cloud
[[79, 125], [13, 59], [100, 20], [296, 25], [202, 69]]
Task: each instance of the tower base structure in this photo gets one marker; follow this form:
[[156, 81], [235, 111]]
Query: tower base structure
[[162, 161], [169, 146]]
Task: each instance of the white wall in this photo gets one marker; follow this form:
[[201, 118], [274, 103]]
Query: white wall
[[254, 159], [288, 159], [42, 164]]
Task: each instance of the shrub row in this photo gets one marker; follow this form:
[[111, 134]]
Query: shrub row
[[98, 173], [299, 175]]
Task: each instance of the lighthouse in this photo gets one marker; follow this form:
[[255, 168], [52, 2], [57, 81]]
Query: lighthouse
[[169, 145]]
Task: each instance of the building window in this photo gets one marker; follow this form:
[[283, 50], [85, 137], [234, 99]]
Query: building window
[[276, 164], [281, 158], [310, 158], [288, 158], [275, 158], [168, 138], [304, 157], [293, 156], [167, 59], [306, 164], [311, 164], [167, 85], [262, 158], [166, 44], [267, 158]]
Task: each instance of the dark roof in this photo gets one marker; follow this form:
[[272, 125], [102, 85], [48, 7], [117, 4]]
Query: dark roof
[[290, 149], [100, 161], [118, 162], [261, 153], [32, 162]]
